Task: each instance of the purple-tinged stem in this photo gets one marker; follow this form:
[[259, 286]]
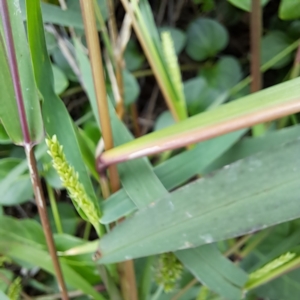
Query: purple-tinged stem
[[11, 54], [36, 183]]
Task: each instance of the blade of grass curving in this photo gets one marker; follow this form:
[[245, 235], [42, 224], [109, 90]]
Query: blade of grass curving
[[55, 114], [266, 105], [215, 271], [255, 36], [239, 199]]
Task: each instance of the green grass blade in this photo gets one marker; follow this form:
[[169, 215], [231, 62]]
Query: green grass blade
[[9, 113], [55, 15], [269, 104], [246, 196], [214, 270], [249, 146], [56, 117]]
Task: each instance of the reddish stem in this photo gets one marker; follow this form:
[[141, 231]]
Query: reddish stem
[[11, 55]]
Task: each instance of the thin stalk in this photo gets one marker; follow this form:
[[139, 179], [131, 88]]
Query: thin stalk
[[183, 68], [296, 66], [87, 230], [158, 293], [255, 36], [255, 242], [41, 205], [237, 245], [185, 289], [87, 8], [54, 209], [103, 32], [265, 67], [35, 179], [293, 74], [127, 282], [118, 57], [135, 122]]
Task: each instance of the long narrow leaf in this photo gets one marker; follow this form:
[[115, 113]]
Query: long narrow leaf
[[8, 111], [214, 270], [55, 114], [244, 197], [266, 105]]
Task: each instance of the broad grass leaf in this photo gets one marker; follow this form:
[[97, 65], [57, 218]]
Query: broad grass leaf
[[214, 270], [249, 146], [239, 199]]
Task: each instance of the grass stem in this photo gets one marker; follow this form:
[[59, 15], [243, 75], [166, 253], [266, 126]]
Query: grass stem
[[54, 209], [36, 183]]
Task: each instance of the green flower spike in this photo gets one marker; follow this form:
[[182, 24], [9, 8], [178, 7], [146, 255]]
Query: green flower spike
[[169, 271], [70, 180], [173, 69], [274, 264], [14, 289]]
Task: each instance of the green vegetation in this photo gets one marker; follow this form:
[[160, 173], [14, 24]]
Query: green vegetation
[[149, 149]]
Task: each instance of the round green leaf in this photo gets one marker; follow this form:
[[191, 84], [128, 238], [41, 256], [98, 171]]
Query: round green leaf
[[198, 95], [20, 189], [131, 88], [289, 9], [224, 74], [4, 138], [178, 37], [60, 80], [62, 63], [133, 56], [246, 4], [50, 41], [205, 38], [273, 43], [164, 120]]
